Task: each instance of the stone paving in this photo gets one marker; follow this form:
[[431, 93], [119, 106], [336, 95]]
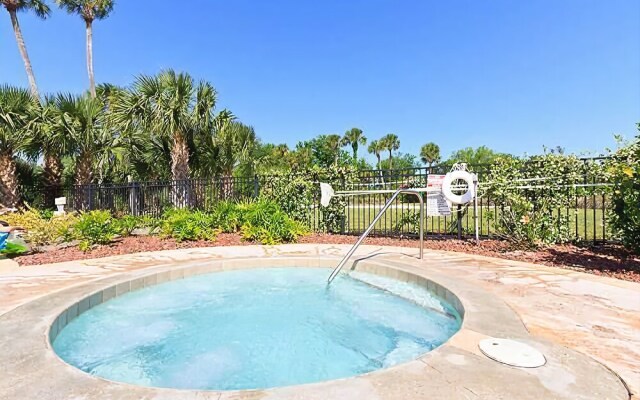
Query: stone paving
[[593, 315]]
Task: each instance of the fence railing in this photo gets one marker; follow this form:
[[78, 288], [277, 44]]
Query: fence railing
[[587, 214]]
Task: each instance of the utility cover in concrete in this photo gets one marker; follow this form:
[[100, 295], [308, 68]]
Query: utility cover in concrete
[[512, 353]]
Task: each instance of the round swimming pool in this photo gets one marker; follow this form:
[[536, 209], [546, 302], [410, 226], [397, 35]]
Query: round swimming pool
[[256, 328]]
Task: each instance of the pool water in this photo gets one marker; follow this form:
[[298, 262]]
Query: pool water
[[256, 328]]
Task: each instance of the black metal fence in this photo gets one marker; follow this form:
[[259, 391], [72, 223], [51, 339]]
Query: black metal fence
[[587, 214]]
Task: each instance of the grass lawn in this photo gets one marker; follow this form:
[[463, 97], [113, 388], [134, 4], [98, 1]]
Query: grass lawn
[[586, 224]]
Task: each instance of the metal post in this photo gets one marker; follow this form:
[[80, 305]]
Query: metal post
[[475, 208], [373, 223]]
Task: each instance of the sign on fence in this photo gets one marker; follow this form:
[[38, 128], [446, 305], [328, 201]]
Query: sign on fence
[[437, 204]]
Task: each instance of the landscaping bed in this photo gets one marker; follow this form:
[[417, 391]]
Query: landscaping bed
[[607, 260]]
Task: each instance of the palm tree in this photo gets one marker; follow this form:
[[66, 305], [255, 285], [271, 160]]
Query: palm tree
[[41, 10], [390, 143], [430, 153], [333, 144], [81, 120], [15, 106], [375, 147], [89, 11], [224, 150], [50, 141], [354, 137], [172, 106]]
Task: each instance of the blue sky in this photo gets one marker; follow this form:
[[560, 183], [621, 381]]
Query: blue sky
[[512, 75]]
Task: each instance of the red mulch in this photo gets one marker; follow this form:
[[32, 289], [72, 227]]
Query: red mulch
[[609, 260]]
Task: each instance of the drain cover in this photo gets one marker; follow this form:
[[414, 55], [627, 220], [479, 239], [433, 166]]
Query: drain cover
[[512, 353]]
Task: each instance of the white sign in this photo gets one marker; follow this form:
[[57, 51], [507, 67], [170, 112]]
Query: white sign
[[437, 204]]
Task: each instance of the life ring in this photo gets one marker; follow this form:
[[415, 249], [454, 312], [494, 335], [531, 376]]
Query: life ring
[[455, 198]]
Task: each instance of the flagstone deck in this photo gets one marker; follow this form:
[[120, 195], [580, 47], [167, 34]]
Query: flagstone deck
[[598, 317]]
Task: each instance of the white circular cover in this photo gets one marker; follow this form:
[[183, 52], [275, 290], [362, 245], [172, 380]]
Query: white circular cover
[[512, 353]]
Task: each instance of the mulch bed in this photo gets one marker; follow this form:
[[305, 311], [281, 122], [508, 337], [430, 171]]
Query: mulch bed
[[606, 260]]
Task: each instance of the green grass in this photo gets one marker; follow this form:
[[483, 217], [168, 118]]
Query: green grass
[[360, 216]]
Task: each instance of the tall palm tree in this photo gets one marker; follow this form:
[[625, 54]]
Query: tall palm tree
[[224, 150], [391, 143], [40, 9], [81, 119], [354, 137], [89, 11], [376, 148], [50, 141], [333, 144], [15, 106], [172, 106], [430, 153]]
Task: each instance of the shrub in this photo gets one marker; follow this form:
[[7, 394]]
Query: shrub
[[529, 216], [623, 171], [42, 228], [13, 249], [227, 216], [95, 227], [185, 224], [265, 222], [126, 224]]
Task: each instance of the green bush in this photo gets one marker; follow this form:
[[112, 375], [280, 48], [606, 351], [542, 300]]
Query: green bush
[[42, 228], [265, 222], [95, 227], [623, 171], [126, 224], [227, 216], [531, 191], [185, 224], [13, 249]]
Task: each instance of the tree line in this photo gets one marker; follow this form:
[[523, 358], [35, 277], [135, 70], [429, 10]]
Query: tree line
[[160, 127]]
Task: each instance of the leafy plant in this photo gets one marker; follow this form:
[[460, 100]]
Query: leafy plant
[[95, 227], [185, 224], [227, 216], [623, 170], [265, 222], [40, 229], [532, 191], [13, 249], [126, 224]]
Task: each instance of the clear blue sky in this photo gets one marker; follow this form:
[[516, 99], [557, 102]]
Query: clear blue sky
[[512, 75]]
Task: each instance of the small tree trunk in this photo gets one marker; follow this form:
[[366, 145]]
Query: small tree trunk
[[84, 176], [23, 52], [180, 169], [52, 177], [390, 159], [9, 195], [92, 82], [84, 168]]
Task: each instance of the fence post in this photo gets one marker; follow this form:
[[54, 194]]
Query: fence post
[[343, 220], [459, 222], [256, 186]]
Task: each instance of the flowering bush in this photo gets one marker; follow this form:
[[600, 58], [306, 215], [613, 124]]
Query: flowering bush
[[534, 195], [623, 171]]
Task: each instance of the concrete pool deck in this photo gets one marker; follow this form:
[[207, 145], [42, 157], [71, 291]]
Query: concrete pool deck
[[592, 315]]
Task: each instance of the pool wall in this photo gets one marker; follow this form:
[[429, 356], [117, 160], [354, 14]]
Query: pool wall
[[156, 278]]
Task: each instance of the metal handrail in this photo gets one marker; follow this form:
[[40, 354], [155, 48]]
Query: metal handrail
[[373, 223]]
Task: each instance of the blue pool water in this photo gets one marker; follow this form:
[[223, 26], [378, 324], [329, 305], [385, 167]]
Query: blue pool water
[[256, 328]]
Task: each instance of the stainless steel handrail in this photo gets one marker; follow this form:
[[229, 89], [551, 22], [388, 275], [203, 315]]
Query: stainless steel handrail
[[373, 223]]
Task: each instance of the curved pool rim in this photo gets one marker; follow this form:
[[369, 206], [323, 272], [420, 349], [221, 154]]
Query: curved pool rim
[[153, 278], [33, 369]]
